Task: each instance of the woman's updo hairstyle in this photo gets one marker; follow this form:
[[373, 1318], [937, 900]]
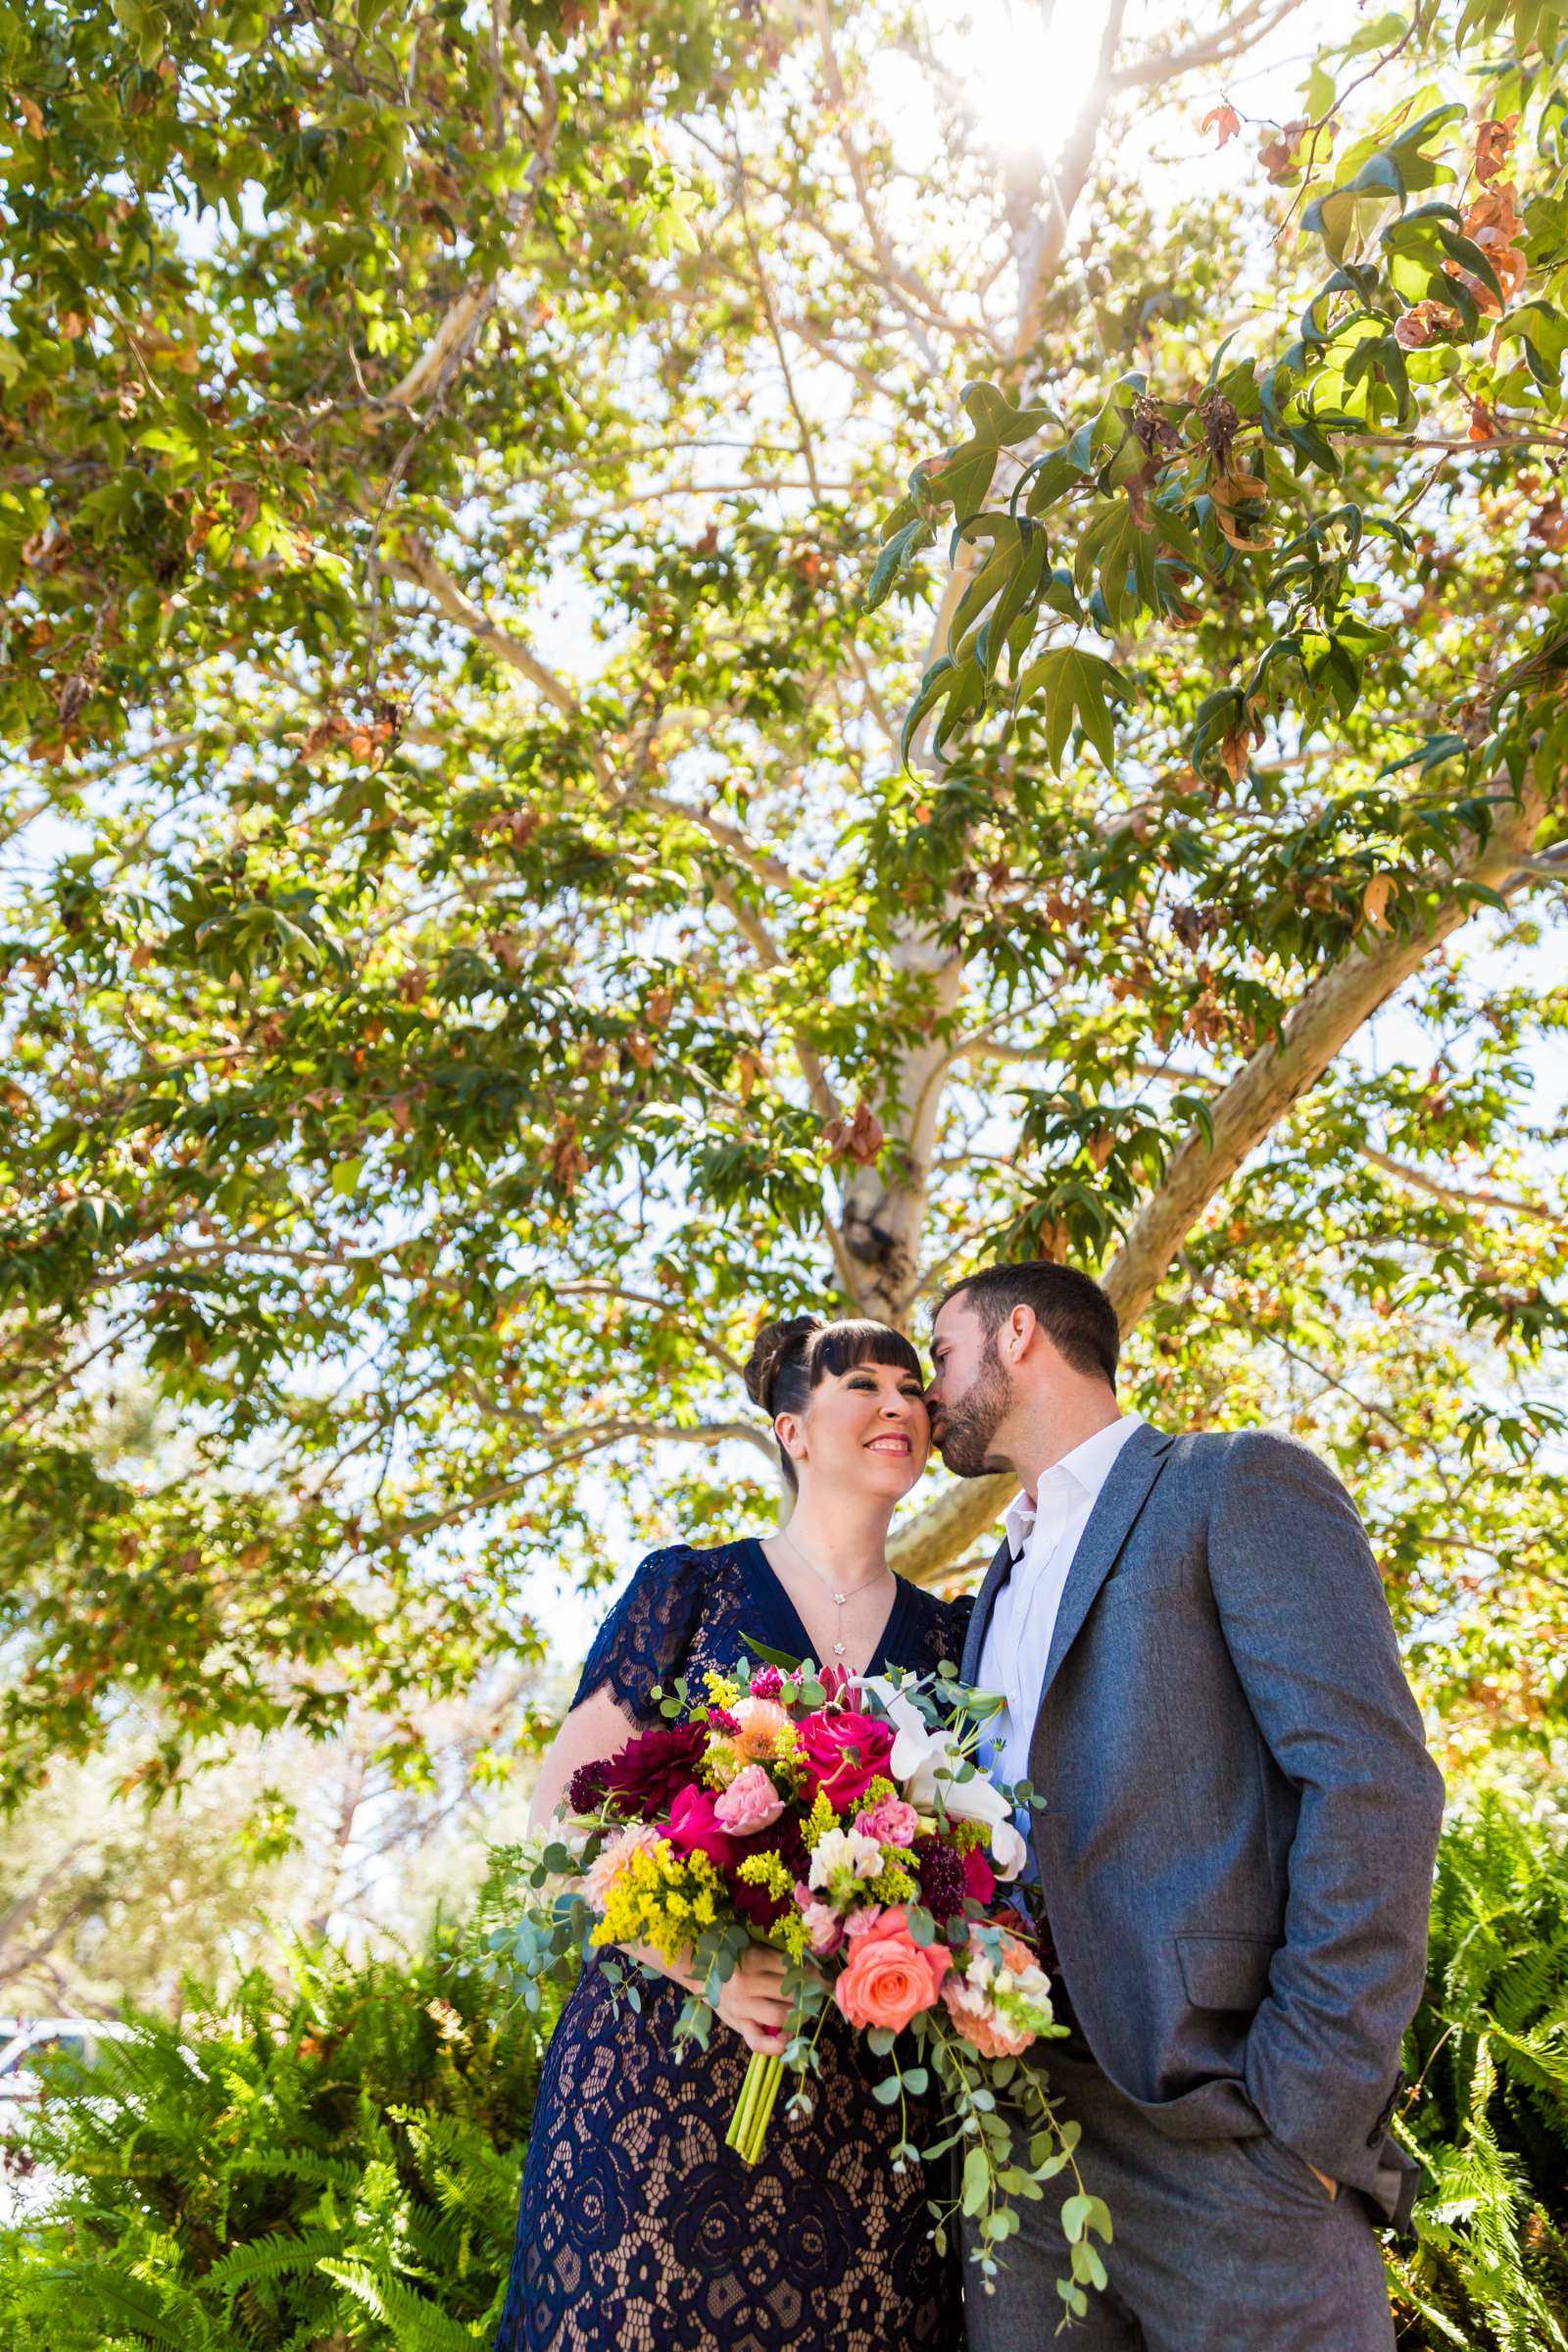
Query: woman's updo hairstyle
[[791, 1357]]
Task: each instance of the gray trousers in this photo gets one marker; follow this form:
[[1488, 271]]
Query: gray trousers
[[1221, 2245]]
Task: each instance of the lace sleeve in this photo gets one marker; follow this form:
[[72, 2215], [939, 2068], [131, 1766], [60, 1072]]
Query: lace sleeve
[[648, 1632]]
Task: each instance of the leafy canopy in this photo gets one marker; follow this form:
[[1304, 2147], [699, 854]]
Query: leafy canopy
[[478, 930]]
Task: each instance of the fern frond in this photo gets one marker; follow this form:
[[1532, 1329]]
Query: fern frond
[[416, 2324]]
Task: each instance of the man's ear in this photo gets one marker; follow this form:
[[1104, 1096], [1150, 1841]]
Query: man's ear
[[1022, 1324]]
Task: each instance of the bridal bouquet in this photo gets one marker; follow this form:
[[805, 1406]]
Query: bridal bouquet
[[842, 1821]]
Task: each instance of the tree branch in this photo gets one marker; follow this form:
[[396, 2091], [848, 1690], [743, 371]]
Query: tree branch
[[1067, 183], [575, 1444], [1244, 1113], [838, 98], [460, 329], [1534, 1210], [418, 565], [761, 862], [758, 937], [1224, 44]]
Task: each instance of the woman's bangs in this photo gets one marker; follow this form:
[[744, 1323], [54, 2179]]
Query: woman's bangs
[[844, 1345]]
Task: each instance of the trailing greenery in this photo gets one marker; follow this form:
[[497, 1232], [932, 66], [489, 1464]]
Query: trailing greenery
[[1488, 2051], [336, 2164]]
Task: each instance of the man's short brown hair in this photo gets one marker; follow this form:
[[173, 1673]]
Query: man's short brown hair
[[1070, 1307]]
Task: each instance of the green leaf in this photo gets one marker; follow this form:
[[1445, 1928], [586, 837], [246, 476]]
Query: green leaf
[[896, 559], [976, 2184], [1074, 684]]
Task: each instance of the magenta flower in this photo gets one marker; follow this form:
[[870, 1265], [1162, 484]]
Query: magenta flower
[[695, 1828]]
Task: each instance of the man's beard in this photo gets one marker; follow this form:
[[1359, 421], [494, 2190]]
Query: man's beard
[[965, 1429]]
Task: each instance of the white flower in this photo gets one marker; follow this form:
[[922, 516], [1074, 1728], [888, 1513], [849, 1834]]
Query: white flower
[[844, 1854], [926, 1763], [977, 1800]]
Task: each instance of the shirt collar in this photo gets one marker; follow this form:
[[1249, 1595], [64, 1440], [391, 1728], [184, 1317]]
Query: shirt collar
[[1087, 1467]]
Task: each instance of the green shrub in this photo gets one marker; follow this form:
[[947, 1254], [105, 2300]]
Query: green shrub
[[1488, 2051], [330, 2167], [338, 2168]]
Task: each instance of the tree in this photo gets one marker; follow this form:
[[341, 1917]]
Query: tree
[[493, 931]]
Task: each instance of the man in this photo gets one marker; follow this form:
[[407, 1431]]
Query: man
[[1235, 1855]]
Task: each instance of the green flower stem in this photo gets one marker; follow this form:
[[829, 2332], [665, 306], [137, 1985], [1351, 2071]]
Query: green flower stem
[[748, 2127]]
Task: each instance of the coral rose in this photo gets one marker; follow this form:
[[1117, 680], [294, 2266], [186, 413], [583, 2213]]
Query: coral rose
[[890, 1978], [843, 1755]]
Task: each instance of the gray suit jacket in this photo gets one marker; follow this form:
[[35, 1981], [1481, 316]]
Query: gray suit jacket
[[1241, 1816]]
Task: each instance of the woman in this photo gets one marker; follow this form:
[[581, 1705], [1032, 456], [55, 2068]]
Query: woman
[[640, 2231]]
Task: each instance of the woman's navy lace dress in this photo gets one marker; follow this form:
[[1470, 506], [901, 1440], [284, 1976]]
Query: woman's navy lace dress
[[640, 2231]]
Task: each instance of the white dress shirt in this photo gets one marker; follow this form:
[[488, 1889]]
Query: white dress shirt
[[1043, 1535]]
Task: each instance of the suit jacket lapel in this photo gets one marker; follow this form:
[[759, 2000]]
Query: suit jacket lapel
[[974, 1640], [1117, 1505]]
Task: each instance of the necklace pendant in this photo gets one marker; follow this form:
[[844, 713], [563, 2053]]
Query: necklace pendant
[[841, 1598], [838, 1649]]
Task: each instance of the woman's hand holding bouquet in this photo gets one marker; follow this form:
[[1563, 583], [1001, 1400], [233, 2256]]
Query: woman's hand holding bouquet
[[788, 1844]]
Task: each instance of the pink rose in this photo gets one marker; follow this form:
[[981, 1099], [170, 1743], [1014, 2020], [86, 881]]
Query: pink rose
[[891, 1822], [695, 1828], [822, 1923], [861, 1921], [750, 1803], [843, 1754]]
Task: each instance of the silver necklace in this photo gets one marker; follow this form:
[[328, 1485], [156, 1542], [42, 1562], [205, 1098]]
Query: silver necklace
[[838, 1599]]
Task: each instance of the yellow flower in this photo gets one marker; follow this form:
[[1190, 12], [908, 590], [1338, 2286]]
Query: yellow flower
[[893, 1885], [792, 1935], [721, 1762], [658, 1899], [766, 1870], [820, 1819]]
